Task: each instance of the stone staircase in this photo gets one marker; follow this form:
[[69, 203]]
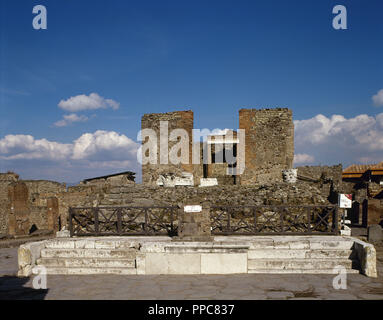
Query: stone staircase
[[88, 257], [87, 261], [317, 255], [273, 254]]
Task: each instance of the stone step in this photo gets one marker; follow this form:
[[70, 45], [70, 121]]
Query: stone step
[[300, 271], [314, 243], [311, 264], [87, 253], [87, 262], [299, 254], [84, 271], [128, 244]]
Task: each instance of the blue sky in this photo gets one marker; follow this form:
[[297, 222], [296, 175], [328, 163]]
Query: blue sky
[[213, 57]]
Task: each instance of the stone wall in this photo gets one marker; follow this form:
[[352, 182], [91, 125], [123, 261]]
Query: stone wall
[[375, 212], [269, 148], [375, 190], [115, 179], [40, 191], [42, 195], [279, 193], [80, 196], [27, 206], [322, 172], [175, 120]]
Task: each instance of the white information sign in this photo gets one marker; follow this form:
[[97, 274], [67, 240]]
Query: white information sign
[[192, 208], [345, 200]]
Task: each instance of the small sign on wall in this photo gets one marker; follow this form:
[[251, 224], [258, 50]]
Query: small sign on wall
[[192, 208], [345, 200]]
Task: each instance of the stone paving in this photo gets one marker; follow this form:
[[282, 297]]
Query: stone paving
[[180, 287]]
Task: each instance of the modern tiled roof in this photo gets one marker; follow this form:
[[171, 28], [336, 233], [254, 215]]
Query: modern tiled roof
[[378, 166], [357, 170]]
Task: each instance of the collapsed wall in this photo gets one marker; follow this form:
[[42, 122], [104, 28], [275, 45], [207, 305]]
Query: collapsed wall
[[272, 194], [322, 172], [39, 196]]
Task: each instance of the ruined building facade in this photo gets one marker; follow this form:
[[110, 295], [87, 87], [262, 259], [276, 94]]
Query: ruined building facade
[[266, 144], [27, 205]]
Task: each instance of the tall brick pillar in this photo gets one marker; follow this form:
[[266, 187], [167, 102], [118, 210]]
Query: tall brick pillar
[[18, 219], [52, 214], [174, 120], [247, 122], [269, 144]]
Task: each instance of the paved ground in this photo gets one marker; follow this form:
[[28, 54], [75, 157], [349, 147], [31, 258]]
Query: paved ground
[[231, 287]]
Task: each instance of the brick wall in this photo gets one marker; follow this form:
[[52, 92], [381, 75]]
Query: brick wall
[[269, 149], [176, 120]]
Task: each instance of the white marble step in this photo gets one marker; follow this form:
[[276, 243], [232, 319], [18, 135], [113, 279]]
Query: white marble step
[[299, 264], [300, 271], [86, 271], [87, 253], [87, 262], [299, 254]]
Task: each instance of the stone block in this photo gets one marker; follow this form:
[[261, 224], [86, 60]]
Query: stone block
[[208, 182], [375, 233], [189, 263], [156, 263], [141, 263], [164, 263], [223, 263], [84, 244], [290, 175], [366, 254], [63, 234], [61, 244]]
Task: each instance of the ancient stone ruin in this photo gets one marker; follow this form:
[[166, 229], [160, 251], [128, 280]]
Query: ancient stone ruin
[[267, 179], [232, 204], [268, 148]]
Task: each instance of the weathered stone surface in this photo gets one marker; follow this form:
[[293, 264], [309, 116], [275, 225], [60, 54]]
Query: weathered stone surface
[[225, 255], [269, 147], [208, 182], [290, 175], [194, 226], [366, 254], [223, 263], [375, 233], [171, 180], [27, 257], [63, 234], [174, 120]]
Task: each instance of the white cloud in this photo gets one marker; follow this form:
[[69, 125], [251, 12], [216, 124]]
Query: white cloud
[[301, 158], [84, 102], [319, 140], [92, 154], [27, 147], [338, 139], [108, 143], [378, 98], [363, 131], [70, 118]]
